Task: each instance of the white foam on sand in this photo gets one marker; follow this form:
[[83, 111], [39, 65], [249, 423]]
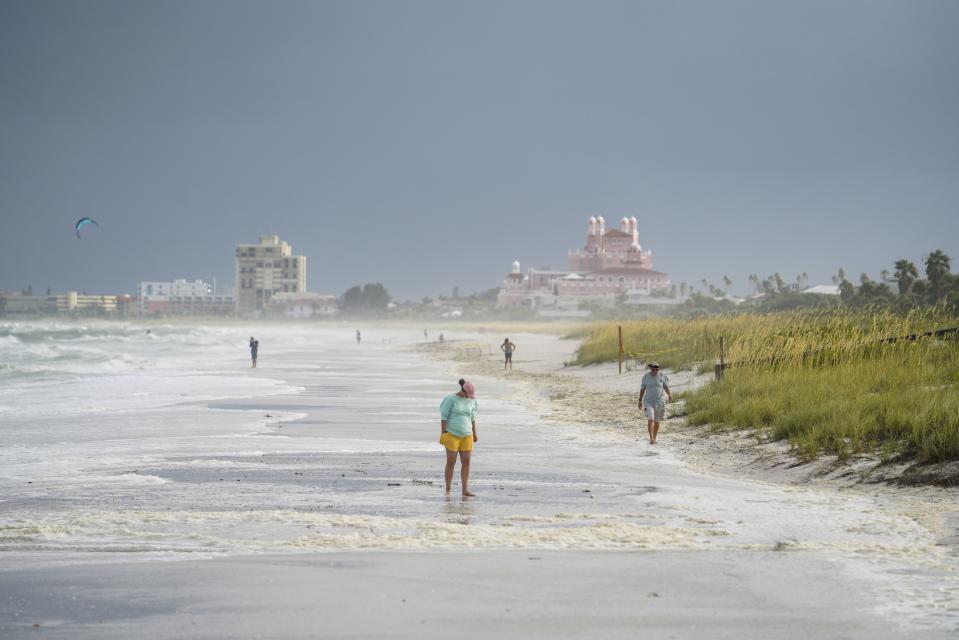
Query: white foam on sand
[[277, 530]]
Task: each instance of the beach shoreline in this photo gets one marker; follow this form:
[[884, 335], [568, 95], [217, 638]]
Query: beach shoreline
[[599, 396], [319, 512]]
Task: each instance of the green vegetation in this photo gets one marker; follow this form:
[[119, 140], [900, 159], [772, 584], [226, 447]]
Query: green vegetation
[[371, 299], [901, 290], [827, 381]]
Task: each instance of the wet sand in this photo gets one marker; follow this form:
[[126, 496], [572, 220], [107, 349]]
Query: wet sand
[[432, 595], [330, 522]]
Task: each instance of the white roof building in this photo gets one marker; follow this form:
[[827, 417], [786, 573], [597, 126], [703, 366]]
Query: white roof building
[[823, 290]]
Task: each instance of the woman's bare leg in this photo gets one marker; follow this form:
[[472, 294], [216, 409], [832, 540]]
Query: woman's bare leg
[[465, 457], [450, 465]]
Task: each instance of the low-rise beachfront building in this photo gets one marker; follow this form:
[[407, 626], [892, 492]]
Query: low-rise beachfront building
[[302, 305], [82, 303], [611, 264], [71, 303], [18, 304], [201, 305], [154, 297], [265, 269]]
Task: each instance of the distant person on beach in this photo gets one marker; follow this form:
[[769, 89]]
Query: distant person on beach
[[441, 337], [254, 348], [426, 334], [508, 348], [458, 432], [653, 394], [358, 336]]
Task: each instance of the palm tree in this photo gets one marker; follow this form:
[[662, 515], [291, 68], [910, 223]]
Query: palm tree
[[835, 279], [841, 273], [864, 278], [780, 283], [846, 291], [937, 272], [906, 274], [727, 281], [884, 274]]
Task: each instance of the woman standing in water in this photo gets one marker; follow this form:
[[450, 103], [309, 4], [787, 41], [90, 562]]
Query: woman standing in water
[[458, 432]]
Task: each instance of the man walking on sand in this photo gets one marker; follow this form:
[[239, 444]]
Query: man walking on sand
[[653, 394], [508, 348]]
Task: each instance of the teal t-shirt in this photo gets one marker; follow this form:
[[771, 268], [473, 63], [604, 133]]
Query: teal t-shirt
[[459, 413]]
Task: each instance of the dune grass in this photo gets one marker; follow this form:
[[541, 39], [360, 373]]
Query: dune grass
[[827, 381]]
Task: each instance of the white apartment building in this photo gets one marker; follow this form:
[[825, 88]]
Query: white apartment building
[[153, 294], [264, 269]]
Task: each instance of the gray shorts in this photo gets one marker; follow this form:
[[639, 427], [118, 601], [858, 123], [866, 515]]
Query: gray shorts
[[656, 413]]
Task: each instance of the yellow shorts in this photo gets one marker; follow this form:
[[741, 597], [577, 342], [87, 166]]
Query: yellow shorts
[[456, 443]]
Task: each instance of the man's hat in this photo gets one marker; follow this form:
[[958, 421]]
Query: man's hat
[[653, 365]]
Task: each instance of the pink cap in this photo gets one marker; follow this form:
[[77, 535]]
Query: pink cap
[[470, 390]]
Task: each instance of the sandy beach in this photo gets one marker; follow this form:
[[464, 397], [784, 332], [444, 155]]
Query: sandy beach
[[312, 506]]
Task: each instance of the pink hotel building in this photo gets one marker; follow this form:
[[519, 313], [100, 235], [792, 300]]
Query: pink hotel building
[[611, 264]]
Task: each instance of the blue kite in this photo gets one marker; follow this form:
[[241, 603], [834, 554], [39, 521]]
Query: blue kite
[[82, 222]]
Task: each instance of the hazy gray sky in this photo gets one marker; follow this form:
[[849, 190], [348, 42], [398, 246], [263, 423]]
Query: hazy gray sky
[[429, 144]]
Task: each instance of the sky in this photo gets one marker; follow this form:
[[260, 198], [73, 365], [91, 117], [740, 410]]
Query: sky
[[427, 145]]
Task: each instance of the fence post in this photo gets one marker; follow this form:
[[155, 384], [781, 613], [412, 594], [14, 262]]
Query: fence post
[[620, 349], [722, 351]]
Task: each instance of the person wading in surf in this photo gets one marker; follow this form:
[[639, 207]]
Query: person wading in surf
[[458, 433]]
